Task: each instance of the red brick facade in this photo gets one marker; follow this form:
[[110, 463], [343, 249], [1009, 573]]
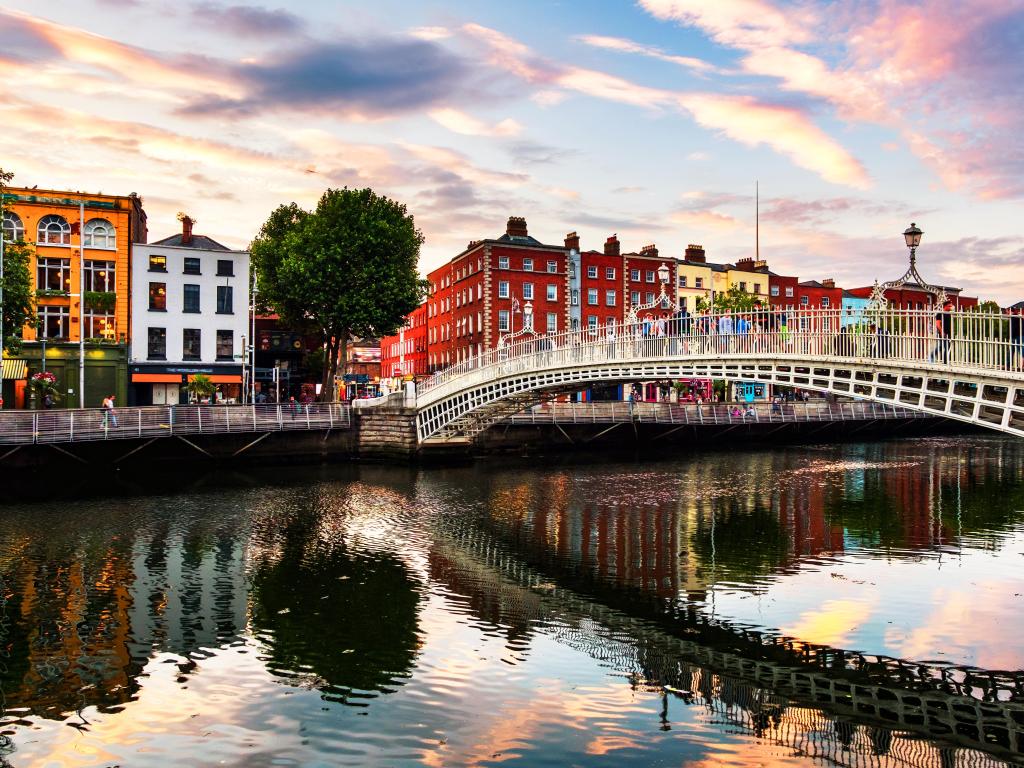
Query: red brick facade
[[405, 353]]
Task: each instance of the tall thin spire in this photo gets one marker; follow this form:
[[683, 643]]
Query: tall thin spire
[[757, 221]]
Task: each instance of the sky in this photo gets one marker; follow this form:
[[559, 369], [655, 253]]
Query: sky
[[653, 120]]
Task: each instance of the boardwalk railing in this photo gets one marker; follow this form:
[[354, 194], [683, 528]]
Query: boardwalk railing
[[90, 424], [965, 341], [718, 413]]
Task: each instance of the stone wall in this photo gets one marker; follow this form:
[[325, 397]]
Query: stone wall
[[386, 432]]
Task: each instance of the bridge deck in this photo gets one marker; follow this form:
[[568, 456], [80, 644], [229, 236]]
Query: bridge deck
[[91, 424]]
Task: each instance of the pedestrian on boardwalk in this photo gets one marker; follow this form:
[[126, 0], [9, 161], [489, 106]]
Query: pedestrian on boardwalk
[[109, 418], [943, 330], [293, 406]]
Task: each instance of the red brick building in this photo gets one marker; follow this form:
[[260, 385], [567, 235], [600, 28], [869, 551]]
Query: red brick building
[[912, 296], [601, 299], [405, 353], [486, 291], [819, 295], [782, 289], [642, 283]]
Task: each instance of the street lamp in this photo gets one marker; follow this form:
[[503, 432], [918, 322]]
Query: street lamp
[[912, 235], [528, 316], [663, 274]]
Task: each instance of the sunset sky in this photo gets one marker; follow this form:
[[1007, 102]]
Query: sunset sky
[[649, 119]]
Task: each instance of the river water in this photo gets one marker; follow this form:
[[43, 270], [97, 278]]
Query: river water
[[813, 605]]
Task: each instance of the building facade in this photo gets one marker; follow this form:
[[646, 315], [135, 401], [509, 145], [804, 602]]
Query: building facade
[[694, 278], [812, 294], [82, 245], [190, 316], [404, 355]]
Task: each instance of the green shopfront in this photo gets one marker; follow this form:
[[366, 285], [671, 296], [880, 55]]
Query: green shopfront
[[106, 372]]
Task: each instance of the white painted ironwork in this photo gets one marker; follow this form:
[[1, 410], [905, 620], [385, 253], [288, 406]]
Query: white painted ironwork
[[897, 356], [91, 424]]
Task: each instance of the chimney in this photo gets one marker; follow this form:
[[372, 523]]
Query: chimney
[[746, 264], [695, 253], [186, 230], [829, 283], [649, 250], [472, 244], [572, 241], [516, 227], [611, 246]]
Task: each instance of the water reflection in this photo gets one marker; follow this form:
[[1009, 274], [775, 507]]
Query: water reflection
[[481, 614]]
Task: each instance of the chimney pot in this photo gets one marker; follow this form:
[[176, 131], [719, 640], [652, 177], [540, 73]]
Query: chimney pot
[[186, 230], [516, 227], [695, 253], [572, 241], [612, 246]]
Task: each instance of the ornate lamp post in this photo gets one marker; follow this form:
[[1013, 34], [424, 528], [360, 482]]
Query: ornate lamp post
[[912, 236], [662, 300], [527, 328]]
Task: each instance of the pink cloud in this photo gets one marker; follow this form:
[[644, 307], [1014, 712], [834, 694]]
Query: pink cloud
[[629, 46]]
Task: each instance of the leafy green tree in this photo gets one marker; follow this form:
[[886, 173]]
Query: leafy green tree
[[346, 270], [733, 300], [200, 386], [18, 302]]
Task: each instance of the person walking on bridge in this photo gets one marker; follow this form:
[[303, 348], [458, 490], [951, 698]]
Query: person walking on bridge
[[943, 330]]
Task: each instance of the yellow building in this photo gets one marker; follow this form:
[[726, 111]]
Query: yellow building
[[694, 278], [697, 278], [52, 222], [748, 276]]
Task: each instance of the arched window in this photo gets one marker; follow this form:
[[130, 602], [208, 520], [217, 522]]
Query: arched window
[[54, 230], [14, 230], [99, 233]]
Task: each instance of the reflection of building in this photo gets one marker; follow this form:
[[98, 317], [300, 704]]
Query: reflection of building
[[190, 298], [58, 228]]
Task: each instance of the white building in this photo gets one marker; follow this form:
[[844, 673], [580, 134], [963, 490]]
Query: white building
[[189, 315]]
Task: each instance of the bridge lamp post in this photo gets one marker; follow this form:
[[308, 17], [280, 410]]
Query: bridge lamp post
[[912, 235]]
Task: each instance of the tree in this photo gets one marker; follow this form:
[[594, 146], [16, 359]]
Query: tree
[[16, 298], [345, 270], [733, 300], [200, 386]]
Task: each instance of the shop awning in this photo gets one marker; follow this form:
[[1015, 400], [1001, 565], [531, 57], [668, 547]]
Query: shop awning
[[221, 379], [156, 378], [14, 368]]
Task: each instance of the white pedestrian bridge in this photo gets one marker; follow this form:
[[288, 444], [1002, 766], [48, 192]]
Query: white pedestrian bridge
[[962, 365]]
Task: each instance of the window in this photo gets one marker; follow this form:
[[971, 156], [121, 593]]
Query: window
[[157, 263], [192, 266], [682, 281], [789, 291], [650, 298], [503, 320], [610, 321], [634, 297], [698, 282], [552, 266], [552, 294], [99, 233], [53, 274], [14, 230], [225, 300], [575, 297], [225, 268], [99, 325], [479, 291], [157, 344], [757, 287], [609, 273], [634, 275], [502, 289], [682, 302], [225, 345], [158, 297], [592, 322], [99, 276], [191, 298], [528, 290], [592, 273], [805, 300], [743, 286], [503, 262], [774, 290], [649, 275], [552, 322], [528, 265], [54, 322], [592, 297], [824, 301], [609, 298], [54, 230], [191, 344]]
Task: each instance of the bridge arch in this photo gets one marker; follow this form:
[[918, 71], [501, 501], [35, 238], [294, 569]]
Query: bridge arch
[[980, 382]]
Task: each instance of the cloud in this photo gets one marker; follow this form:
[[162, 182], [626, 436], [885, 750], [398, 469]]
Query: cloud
[[460, 122], [739, 23], [623, 45], [21, 41], [430, 33], [535, 153], [703, 220], [247, 20]]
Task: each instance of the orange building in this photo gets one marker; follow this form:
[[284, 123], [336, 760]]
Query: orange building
[[58, 228]]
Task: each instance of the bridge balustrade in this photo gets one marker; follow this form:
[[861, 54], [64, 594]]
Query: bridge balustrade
[[90, 424]]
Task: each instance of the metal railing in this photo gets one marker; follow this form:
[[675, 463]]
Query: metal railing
[[708, 413], [90, 424], [964, 341]]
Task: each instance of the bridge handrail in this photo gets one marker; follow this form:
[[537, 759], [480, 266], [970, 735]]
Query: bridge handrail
[[90, 424], [977, 341]]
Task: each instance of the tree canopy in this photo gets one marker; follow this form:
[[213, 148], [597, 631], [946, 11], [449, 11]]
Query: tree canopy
[[18, 300], [733, 300], [346, 270]]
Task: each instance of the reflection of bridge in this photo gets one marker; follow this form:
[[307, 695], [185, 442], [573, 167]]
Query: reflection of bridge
[[824, 702], [972, 372]]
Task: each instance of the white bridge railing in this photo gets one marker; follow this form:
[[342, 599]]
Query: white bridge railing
[[90, 424], [965, 341]]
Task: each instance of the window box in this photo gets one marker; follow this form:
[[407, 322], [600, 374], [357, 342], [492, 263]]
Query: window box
[[101, 300], [49, 293]]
